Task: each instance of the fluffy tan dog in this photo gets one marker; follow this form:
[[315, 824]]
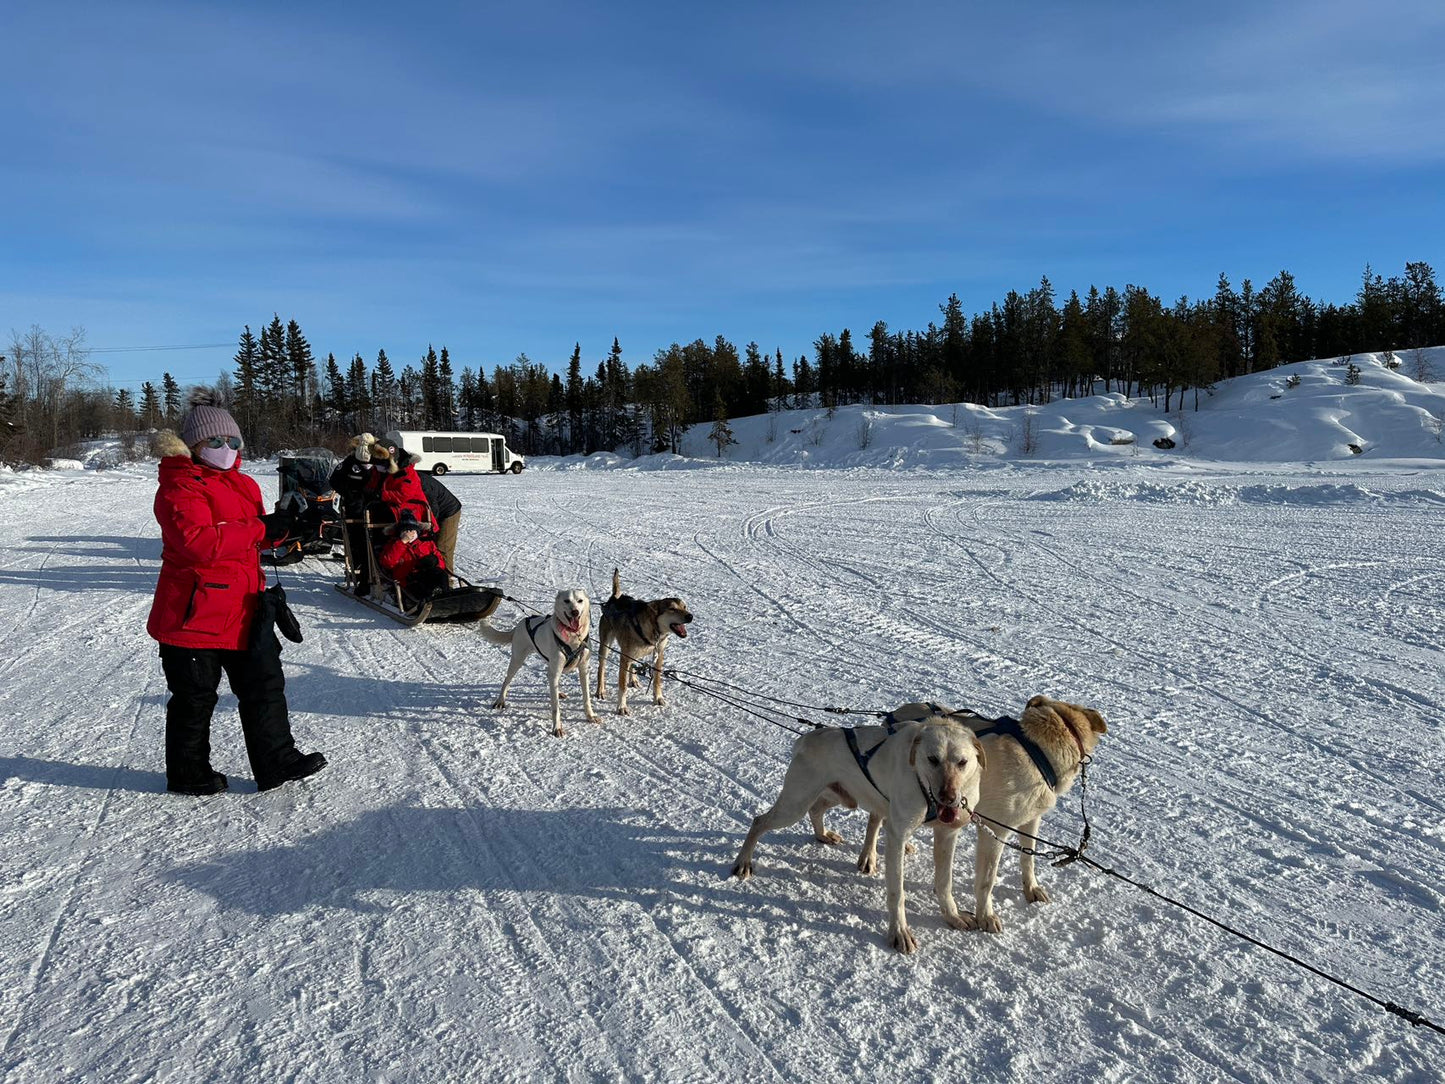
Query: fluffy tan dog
[[922, 773], [1017, 790]]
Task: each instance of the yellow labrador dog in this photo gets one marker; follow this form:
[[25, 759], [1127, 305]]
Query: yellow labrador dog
[[637, 628], [561, 640], [925, 772], [1032, 762]]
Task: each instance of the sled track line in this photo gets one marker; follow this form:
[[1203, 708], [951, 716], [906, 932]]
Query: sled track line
[[538, 946], [52, 937], [1236, 703], [519, 761]]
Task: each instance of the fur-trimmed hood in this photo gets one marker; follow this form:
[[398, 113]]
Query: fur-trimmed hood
[[383, 459], [167, 442]]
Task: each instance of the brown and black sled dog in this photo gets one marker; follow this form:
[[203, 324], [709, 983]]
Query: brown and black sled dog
[[637, 628]]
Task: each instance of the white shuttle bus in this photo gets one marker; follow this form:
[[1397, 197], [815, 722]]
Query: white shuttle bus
[[465, 453]]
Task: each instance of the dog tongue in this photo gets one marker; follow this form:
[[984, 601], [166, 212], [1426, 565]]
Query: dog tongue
[[681, 630], [948, 814]]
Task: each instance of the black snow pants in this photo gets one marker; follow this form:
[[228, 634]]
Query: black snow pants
[[193, 676]]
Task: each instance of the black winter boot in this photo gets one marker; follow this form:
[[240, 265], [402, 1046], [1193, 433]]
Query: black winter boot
[[300, 768], [214, 785]]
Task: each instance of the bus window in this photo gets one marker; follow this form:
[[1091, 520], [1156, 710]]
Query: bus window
[[426, 444], [481, 444], [441, 444]]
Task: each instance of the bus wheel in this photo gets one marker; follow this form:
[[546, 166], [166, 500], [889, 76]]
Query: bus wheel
[[439, 469], [516, 468]]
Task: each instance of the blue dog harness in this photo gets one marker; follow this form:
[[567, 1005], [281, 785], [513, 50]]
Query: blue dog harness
[[851, 735], [1010, 727]]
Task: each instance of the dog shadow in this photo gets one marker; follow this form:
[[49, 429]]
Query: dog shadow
[[84, 776]]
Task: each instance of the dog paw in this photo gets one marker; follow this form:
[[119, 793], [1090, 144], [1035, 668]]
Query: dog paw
[[868, 864], [742, 870], [1036, 894], [903, 940], [624, 710], [960, 922], [594, 718], [659, 701], [989, 923], [829, 837], [559, 732], [499, 703]]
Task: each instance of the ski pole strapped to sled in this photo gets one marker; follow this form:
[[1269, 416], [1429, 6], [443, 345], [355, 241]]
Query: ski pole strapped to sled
[[463, 602]]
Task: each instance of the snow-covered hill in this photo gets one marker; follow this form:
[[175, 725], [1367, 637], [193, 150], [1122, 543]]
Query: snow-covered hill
[[461, 896], [1300, 413]]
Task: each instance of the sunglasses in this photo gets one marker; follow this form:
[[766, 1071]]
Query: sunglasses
[[234, 443]]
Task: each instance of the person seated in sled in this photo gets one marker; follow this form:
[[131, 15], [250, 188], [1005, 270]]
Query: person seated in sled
[[352, 480], [395, 483], [412, 560]]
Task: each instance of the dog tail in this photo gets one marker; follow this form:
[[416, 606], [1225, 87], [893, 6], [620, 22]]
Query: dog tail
[[616, 584], [495, 635]]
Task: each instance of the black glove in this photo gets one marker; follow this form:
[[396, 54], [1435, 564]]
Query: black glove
[[278, 524], [430, 562]]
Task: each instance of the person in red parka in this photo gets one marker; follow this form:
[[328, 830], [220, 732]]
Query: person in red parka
[[413, 561], [213, 527], [394, 481]]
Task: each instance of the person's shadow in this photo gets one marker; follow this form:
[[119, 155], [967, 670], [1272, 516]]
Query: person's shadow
[[85, 776]]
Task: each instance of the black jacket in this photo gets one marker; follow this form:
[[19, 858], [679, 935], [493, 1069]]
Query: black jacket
[[349, 480], [443, 501]]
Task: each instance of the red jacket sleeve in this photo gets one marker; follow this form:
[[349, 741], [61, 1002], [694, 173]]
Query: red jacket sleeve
[[185, 514]]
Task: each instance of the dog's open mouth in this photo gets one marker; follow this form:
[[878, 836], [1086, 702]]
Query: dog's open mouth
[[949, 814], [679, 630], [572, 627]]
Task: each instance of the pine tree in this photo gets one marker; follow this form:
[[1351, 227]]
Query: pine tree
[[574, 402], [780, 383], [430, 390], [446, 391], [7, 409], [721, 433], [385, 402], [124, 409], [335, 389], [171, 396], [358, 396], [247, 375], [300, 364], [150, 406], [272, 376]]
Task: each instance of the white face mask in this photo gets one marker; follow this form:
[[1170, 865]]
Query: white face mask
[[222, 458]]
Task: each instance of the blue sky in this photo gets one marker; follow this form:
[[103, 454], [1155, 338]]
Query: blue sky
[[499, 181]]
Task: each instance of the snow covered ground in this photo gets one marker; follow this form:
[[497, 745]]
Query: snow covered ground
[[462, 896]]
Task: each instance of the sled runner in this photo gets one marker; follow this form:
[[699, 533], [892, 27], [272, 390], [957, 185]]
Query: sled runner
[[463, 601], [306, 481]]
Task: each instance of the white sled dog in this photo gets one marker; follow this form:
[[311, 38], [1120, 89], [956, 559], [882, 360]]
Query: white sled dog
[[638, 628], [1032, 762], [923, 773], [561, 640]]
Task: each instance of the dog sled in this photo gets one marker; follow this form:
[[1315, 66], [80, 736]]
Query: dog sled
[[306, 483], [460, 601]]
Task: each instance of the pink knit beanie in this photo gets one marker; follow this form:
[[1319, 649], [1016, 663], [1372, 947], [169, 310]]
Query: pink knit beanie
[[208, 418]]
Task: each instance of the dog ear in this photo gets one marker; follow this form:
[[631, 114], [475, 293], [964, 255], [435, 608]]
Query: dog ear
[[1036, 701], [913, 749], [978, 748], [1096, 721]]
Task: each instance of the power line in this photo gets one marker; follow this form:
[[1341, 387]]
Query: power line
[[148, 349]]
